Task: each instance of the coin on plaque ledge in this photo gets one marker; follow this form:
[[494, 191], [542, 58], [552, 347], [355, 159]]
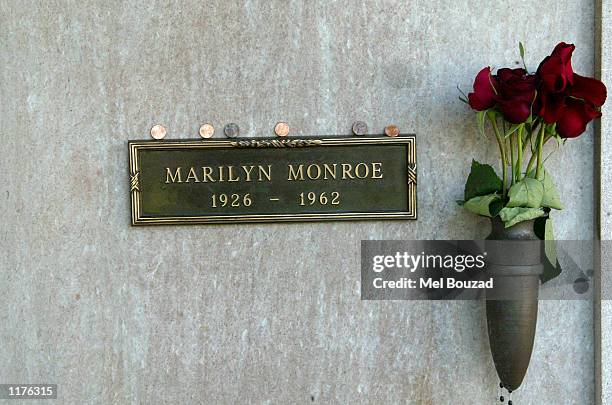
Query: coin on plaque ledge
[[392, 130], [281, 129], [207, 131], [158, 132], [231, 130], [360, 128]]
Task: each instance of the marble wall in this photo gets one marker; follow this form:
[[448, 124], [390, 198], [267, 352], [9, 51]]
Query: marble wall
[[603, 307], [258, 313]]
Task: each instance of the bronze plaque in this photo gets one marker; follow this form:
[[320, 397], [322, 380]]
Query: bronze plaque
[[269, 180]]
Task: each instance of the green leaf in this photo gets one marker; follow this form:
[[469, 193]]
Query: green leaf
[[480, 205], [512, 216], [549, 245], [550, 197], [522, 52], [526, 193], [480, 121], [543, 229], [482, 181]]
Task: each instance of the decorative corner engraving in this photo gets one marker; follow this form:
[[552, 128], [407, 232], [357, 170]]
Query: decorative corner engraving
[[412, 174], [135, 182], [276, 143]]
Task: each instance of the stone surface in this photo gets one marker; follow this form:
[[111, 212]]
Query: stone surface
[[603, 311], [257, 313]]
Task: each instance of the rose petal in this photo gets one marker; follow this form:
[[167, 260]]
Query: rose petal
[[483, 96], [515, 111], [589, 89], [556, 71], [505, 74], [550, 106], [574, 118], [565, 51], [476, 103], [552, 74]]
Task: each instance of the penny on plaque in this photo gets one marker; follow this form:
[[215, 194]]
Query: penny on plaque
[[281, 129], [158, 132], [231, 130], [392, 130], [360, 128], [207, 131]]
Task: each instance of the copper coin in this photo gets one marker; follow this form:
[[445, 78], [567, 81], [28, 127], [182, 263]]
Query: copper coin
[[158, 131], [392, 130], [231, 130], [360, 128], [281, 129], [207, 131]]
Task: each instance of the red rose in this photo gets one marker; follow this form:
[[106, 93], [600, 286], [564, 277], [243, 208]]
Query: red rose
[[516, 92], [565, 98], [483, 96], [573, 109], [555, 71], [554, 93]]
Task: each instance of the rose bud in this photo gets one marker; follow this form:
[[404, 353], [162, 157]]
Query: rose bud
[[483, 96]]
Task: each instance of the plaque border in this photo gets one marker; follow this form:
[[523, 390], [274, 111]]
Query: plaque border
[[307, 142]]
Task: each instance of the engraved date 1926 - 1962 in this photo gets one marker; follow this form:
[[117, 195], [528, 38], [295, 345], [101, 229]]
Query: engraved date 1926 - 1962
[[236, 200]]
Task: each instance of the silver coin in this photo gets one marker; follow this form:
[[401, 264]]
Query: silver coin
[[231, 130], [360, 128]]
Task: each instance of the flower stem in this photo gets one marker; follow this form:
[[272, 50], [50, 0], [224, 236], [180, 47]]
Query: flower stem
[[534, 155], [539, 151], [532, 129], [519, 151], [512, 161], [502, 152]]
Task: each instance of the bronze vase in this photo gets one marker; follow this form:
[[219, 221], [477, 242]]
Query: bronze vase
[[515, 261]]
